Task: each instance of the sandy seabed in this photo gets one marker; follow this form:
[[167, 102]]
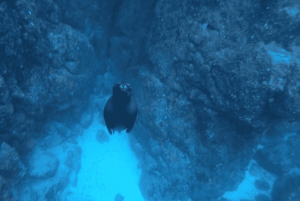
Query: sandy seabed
[[107, 168]]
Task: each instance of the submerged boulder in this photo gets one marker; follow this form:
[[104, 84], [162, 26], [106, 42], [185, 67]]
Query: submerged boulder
[[11, 171], [42, 164], [209, 90], [102, 136], [47, 68], [5, 190], [119, 197], [286, 188], [10, 163]]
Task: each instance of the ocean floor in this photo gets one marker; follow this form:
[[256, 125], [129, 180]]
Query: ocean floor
[[94, 167], [108, 168], [247, 190]]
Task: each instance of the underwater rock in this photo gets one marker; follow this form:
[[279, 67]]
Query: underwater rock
[[54, 192], [6, 112], [262, 185], [206, 86], [86, 118], [263, 159], [119, 197], [52, 140], [278, 153], [262, 197], [47, 66], [73, 159], [101, 136], [42, 164], [25, 192], [10, 164], [11, 172], [286, 187], [5, 193]]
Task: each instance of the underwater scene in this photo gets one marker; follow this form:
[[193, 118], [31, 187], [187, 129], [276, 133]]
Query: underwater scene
[[149, 100]]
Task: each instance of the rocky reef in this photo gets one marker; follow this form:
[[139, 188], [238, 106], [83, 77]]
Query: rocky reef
[[47, 72], [219, 74], [216, 82]]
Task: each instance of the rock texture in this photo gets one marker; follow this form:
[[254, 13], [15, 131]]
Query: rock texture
[[209, 77], [47, 71], [46, 67], [6, 193], [42, 164], [12, 171], [278, 154], [286, 188], [10, 163], [219, 73]]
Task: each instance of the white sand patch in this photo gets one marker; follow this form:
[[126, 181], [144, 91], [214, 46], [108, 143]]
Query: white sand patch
[[280, 57], [107, 168], [247, 189], [38, 189]]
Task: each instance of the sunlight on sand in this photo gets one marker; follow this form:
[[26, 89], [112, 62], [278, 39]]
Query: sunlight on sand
[[107, 168]]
